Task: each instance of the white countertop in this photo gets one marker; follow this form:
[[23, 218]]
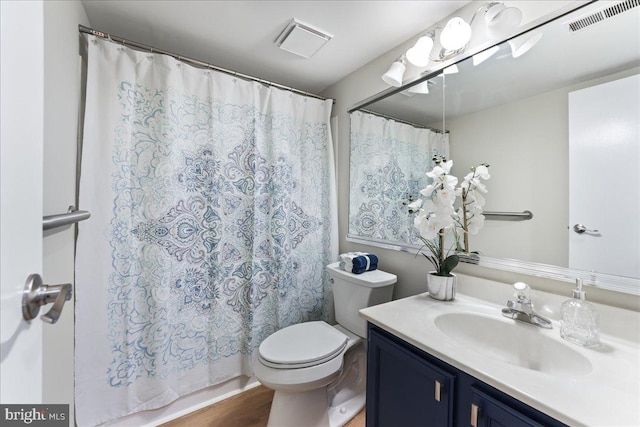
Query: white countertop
[[607, 395]]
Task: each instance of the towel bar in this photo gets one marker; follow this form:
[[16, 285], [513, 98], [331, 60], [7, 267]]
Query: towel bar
[[508, 216], [59, 220]]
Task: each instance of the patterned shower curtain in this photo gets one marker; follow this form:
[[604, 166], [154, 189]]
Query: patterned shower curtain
[[388, 165], [213, 218]]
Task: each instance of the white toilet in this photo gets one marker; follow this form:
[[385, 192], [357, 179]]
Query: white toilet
[[318, 371]]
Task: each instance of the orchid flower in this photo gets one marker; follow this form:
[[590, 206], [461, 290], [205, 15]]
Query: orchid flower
[[436, 213]]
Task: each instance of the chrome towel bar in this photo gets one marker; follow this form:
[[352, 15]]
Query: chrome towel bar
[[508, 216], [71, 217]]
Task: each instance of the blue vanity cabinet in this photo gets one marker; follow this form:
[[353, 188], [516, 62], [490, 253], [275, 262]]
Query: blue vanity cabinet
[[408, 387], [487, 411], [403, 387]]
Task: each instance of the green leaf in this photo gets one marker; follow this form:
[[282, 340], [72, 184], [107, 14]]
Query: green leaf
[[447, 266]]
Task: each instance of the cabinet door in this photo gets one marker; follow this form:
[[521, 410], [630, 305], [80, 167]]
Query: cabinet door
[[489, 412], [404, 389]]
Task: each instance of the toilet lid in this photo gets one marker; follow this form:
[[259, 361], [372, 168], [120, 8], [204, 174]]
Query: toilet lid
[[302, 345]]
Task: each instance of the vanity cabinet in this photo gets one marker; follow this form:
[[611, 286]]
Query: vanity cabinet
[[408, 387]]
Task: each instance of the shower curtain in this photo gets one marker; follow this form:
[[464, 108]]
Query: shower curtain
[[388, 166], [213, 217]]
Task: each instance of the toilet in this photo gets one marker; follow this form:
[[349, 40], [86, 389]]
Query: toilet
[[318, 371]]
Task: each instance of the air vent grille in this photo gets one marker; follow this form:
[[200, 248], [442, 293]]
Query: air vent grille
[[621, 7], [603, 14]]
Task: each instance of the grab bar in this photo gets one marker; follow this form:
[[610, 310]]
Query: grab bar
[[508, 216], [59, 220]]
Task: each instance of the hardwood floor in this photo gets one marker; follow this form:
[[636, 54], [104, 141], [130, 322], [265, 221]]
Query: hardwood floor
[[247, 409]]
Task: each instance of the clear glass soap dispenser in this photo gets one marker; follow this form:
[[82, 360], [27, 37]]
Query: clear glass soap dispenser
[[580, 322]]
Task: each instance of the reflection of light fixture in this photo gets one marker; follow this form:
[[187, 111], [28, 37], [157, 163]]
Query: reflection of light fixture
[[451, 69], [455, 34], [501, 20], [418, 55], [421, 88], [480, 57], [395, 73], [522, 44]]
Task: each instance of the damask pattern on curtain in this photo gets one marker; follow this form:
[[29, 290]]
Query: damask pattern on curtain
[[213, 218], [388, 165]]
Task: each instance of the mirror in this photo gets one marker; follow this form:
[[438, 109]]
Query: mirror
[[526, 117]]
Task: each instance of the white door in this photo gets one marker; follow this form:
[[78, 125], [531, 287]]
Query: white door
[[21, 123], [604, 177]]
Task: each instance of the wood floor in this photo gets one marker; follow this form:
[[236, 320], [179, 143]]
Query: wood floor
[[247, 409]]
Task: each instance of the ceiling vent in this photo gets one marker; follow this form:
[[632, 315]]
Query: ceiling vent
[[603, 14], [302, 39]]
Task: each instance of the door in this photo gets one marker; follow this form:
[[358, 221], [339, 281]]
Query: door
[[21, 123], [604, 179]]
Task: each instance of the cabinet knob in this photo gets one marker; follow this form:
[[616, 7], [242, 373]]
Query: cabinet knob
[[437, 391]]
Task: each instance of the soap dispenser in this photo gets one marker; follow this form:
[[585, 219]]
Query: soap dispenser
[[580, 323]]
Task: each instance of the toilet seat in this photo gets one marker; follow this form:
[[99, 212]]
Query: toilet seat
[[302, 345]]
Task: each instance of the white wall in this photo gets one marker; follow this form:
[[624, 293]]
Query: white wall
[[411, 270], [61, 100]]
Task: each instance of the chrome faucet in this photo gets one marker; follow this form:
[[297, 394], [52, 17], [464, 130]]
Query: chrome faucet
[[522, 309]]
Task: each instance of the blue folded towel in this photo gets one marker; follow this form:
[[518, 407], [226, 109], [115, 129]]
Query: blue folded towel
[[362, 263], [346, 260]]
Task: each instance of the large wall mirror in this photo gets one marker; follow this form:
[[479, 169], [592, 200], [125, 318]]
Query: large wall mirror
[[559, 127]]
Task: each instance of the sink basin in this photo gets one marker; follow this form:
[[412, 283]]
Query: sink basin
[[513, 342]]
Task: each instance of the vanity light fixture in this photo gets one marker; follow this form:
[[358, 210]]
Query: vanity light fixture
[[521, 45], [395, 73], [501, 20], [456, 34], [418, 55]]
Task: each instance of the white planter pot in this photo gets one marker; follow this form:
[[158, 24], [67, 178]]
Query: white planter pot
[[442, 288]]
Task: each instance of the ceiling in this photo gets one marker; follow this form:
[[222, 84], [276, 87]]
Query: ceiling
[[239, 35]]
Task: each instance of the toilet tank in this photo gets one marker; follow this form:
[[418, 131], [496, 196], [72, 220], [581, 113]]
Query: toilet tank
[[352, 292]]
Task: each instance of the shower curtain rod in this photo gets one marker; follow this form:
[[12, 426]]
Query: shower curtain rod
[[415, 125], [192, 61]]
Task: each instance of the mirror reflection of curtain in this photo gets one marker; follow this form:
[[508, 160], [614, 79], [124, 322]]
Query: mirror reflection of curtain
[[388, 164]]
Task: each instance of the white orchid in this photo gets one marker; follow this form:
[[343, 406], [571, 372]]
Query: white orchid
[[471, 220], [436, 214], [475, 223]]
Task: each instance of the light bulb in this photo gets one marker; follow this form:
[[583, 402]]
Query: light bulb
[[418, 55], [455, 34], [502, 21], [395, 73]]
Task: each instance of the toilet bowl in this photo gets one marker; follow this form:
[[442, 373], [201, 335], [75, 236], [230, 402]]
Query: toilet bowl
[[317, 370]]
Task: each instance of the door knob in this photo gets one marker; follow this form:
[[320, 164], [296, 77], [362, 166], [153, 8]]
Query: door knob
[[36, 294], [580, 228]]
